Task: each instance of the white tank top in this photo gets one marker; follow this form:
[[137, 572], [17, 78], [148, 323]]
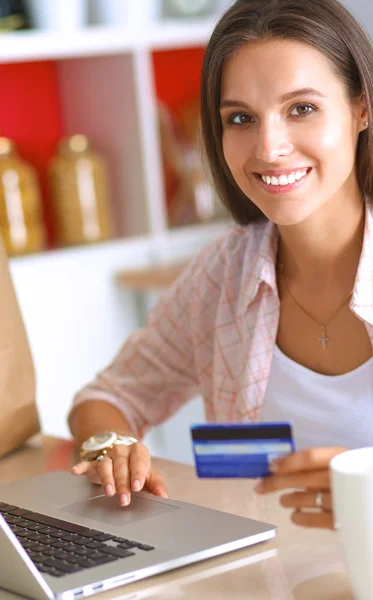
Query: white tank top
[[324, 410]]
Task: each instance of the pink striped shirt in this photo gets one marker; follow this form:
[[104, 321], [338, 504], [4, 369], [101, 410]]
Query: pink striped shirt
[[213, 333]]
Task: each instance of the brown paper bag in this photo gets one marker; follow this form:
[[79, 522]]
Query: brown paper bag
[[18, 412]]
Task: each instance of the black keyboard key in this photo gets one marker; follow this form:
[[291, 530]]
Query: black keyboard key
[[120, 539], [38, 547], [48, 530], [102, 537], [16, 529], [83, 552], [127, 545], [98, 555], [95, 545], [47, 550], [58, 543], [19, 512], [50, 571], [37, 537], [145, 547], [90, 533], [7, 507], [24, 533], [35, 546], [36, 557], [71, 538], [24, 523], [36, 526], [27, 545], [11, 520], [48, 561], [115, 551], [60, 535], [71, 548], [82, 541], [72, 558], [61, 555], [58, 523], [85, 562], [67, 567], [54, 572], [43, 568]]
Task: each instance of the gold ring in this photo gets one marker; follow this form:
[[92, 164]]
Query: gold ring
[[101, 457], [319, 500]]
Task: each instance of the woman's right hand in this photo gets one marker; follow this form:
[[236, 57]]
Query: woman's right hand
[[124, 469]]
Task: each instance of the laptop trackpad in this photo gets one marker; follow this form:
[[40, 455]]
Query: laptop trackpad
[[107, 510]]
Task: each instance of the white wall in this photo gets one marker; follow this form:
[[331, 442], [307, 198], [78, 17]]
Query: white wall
[[363, 10], [76, 318]]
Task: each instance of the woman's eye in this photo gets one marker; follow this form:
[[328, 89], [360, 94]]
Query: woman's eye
[[302, 110], [239, 119]]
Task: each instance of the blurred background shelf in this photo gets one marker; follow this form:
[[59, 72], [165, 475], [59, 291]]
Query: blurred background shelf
[[150, 278], [108, 84], [24, 46]]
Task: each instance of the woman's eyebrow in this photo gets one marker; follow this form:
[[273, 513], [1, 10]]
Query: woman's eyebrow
[[284, 98], [308, 91]]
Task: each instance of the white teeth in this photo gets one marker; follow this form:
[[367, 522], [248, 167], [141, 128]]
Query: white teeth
[[284, 179]]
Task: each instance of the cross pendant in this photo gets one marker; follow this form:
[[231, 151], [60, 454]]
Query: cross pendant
[[323, 338]]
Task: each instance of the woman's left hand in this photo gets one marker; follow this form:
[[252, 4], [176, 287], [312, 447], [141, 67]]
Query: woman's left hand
[[307, 470]]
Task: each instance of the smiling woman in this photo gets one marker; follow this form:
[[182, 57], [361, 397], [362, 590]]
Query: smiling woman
[[284, 134], [323, 31], [274, 320]]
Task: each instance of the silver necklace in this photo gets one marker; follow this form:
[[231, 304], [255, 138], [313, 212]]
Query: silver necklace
[[324, 339]]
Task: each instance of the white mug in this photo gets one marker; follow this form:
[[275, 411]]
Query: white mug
[[352, 489]]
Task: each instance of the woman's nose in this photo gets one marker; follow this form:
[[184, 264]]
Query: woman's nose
[[272, 143]]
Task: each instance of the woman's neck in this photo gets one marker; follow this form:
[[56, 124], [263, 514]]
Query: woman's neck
[[323, 252]]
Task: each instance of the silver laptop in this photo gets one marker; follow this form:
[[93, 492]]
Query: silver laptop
[[61, 538]]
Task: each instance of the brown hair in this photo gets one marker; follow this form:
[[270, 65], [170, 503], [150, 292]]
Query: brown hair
[[323, 24]]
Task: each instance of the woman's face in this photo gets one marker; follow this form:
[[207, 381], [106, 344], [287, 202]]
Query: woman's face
[[286, 117]]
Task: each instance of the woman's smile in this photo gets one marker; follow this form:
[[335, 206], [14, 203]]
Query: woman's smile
[[283, 184]]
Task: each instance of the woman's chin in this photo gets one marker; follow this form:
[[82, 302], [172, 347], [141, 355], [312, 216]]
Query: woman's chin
[[282, 217]]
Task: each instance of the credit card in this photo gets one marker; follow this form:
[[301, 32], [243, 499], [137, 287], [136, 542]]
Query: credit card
[[239, 449]]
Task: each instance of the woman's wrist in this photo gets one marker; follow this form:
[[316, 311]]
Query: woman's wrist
[[97, 417]]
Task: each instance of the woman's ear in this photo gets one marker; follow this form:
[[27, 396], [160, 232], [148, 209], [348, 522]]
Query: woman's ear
[[363, 117]]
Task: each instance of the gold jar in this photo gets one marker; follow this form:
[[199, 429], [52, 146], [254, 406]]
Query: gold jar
[[21, 220], [80, 197]]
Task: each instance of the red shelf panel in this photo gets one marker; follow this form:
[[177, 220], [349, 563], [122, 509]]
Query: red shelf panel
[[30, 114], [177, 75]]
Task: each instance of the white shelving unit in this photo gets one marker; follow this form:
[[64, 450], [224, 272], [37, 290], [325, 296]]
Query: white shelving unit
[[75, 317], [107, 91], [103, 41]]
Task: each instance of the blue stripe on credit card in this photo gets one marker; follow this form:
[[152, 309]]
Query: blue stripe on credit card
[[239, 450]]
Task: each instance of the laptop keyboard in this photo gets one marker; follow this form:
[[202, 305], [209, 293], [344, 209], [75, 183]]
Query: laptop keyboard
[[59, 547]]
